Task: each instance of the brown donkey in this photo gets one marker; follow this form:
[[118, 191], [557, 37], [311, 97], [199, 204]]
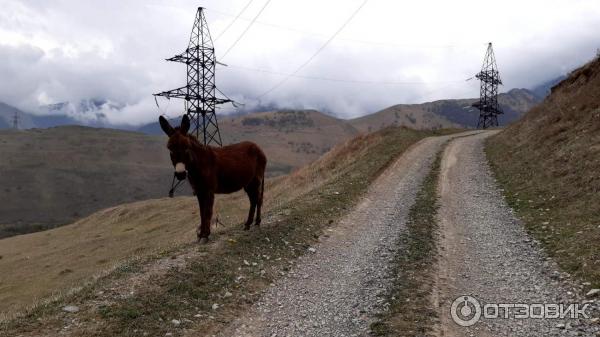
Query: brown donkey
[[213, 170]]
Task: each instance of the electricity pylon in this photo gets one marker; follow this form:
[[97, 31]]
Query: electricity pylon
[[200, 92], [16, 120], [489, 78]]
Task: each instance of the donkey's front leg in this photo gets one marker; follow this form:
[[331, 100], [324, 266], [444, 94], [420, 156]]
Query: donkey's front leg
[[199, 228], [206, 201]]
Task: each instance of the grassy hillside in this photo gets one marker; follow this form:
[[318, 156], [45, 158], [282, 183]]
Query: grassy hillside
[[416, 116], [50, 177], [55, 176], [159, 235], [291, 138], [549, 164]]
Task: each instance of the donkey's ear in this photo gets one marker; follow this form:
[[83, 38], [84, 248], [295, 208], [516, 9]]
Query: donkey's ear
[[165, 126], [185, 124]]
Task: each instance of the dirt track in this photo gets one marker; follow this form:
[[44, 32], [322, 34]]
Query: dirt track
[[486, 252], [335, 289]]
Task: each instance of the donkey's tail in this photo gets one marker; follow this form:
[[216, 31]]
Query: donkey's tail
[[262, 162], [262, 189]]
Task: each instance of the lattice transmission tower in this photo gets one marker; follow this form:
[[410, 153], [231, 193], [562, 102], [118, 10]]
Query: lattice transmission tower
[[199, 94], [16, 120], [489, 78]]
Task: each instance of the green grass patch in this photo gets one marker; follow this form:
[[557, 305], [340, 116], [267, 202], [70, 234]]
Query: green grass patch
[[410, 312]]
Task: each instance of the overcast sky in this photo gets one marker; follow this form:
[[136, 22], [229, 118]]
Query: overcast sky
[[390, 52]]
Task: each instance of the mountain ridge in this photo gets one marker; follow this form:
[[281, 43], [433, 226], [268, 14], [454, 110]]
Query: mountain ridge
[[111, 161], [64, 113]]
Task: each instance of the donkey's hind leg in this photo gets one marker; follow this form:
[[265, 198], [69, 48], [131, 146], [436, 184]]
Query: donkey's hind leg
[[253, 197]]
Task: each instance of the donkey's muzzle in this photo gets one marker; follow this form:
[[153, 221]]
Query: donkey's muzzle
[[180, 171], [180, 175]]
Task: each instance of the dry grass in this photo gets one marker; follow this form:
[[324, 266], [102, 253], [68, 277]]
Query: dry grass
[[299, 206], [410, 115], [291, 139], [549, 165]]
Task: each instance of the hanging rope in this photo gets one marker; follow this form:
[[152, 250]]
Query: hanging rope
[[163, 112], [174, 186]]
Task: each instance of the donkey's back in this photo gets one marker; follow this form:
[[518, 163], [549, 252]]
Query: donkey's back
[[239, 165]]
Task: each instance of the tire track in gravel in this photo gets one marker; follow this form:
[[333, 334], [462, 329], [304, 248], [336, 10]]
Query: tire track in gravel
[[338, 287], [485, 252]]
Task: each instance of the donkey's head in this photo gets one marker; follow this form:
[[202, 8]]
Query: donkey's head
[[179, 144]]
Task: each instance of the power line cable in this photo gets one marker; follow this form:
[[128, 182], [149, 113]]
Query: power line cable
[[377, 43], [234, 20], [330, 79], [246, 30], [285, 79]]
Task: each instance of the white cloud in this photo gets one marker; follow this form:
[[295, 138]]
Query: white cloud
[[73, 50]]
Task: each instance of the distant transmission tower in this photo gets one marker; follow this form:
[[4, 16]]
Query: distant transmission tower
[[489, 78], [16, 120], [200, 92]]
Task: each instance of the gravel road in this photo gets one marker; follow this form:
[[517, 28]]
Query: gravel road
[[335, 289], [486, 253]]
